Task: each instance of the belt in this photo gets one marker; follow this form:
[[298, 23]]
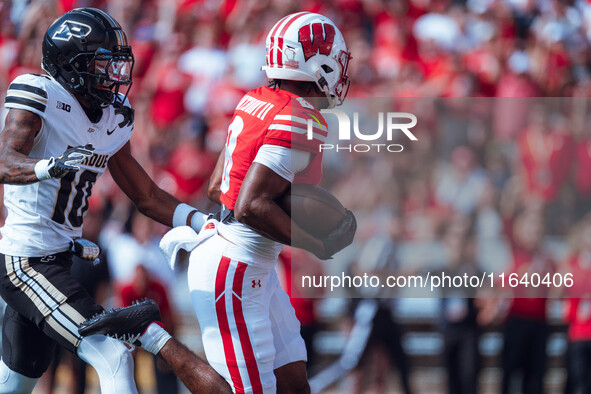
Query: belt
[[227, 215]]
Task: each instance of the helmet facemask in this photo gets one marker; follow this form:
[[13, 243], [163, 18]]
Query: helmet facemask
[[104, 75], [335, 83]]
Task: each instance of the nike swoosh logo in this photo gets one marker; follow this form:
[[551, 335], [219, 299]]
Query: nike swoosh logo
[[109, 132]]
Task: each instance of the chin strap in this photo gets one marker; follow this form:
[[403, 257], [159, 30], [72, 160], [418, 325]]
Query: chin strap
[[323, 85]]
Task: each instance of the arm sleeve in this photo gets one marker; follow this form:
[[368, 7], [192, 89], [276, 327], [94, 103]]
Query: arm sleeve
[[285, 162], [27, 92]]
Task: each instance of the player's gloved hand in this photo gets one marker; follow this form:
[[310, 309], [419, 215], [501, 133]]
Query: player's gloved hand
[[86, 250], [66, 162], [339, 238], [127, 113]]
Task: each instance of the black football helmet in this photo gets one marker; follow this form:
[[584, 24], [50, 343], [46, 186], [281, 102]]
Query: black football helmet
[[87, 52]]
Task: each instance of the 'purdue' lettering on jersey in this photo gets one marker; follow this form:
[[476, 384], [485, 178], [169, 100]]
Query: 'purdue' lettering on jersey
[[96, 160]]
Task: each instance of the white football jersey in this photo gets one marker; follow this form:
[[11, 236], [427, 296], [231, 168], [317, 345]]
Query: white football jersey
[[45, 216]]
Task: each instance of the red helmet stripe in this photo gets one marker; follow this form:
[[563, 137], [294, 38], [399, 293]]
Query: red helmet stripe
[[272, 48], [270, 53], [289, 22], [282, 32], [280, 52], [277, 25]]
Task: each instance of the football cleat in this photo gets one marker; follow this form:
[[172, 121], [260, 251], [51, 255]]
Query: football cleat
[[126, 324]]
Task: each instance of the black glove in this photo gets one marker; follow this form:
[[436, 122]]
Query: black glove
[[128, 115], [341, 237], [58, 167], [86, 250]]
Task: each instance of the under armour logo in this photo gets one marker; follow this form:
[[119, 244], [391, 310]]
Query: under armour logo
[[256, 283]]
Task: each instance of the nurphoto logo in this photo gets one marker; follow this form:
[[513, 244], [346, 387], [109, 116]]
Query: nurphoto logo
[[395, 122]]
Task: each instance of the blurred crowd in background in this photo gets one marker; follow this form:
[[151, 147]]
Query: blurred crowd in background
[[491, 184]]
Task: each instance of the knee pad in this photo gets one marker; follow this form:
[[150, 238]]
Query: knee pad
[[112, 362], [14, 382]]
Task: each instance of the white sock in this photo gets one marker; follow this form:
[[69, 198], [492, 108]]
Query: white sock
[[112, 362], [13, 382]]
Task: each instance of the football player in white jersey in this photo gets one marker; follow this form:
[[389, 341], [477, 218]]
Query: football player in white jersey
[[62, 131]]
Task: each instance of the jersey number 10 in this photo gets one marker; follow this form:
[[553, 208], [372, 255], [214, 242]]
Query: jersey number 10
[[79, 203]]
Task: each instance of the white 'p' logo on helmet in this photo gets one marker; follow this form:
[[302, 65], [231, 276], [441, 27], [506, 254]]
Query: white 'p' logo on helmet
[[70, 29]]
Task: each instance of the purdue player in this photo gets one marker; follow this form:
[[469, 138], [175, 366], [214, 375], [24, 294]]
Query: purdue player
[[62, 131]]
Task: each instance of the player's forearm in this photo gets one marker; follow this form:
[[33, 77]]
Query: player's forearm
[[197, 375], [16, 168], [135, 182], [266, 217], [215, 181], [16, 142], [214, 195], [159, 206]]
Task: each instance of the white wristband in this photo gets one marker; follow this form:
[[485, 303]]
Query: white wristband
[[42, 169], [181, 213], [154, 338], [197, 221]]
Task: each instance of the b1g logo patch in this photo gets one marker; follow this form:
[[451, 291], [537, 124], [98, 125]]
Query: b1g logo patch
[[70, 29], [316, 38], [64, 106]]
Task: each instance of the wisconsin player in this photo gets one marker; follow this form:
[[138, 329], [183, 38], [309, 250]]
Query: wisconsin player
[[250, 333], [62, 131]]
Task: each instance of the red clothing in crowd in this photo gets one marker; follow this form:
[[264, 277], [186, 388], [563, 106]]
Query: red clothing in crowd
[[579, 306], [154, 291], [579, 319], [190, 168], [583, 168], [524, 260], [168, 102], [546, 159]]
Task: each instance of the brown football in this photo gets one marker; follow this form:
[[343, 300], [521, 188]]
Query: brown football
[[314, 209]]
